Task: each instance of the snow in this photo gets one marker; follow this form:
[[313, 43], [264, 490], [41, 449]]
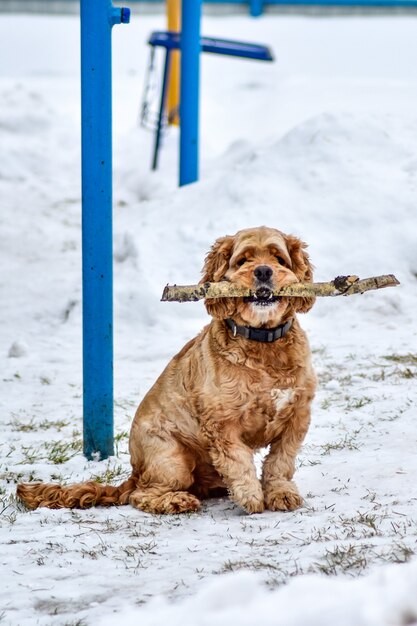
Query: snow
[[321, 144], [387, 597]]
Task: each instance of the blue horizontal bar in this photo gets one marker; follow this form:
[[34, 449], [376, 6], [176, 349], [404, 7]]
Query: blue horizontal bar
[[227, 47]]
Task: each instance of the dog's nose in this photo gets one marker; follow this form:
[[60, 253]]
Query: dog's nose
[[263, 273]]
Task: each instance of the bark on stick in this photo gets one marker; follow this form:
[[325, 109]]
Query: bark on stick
[[340, 286]]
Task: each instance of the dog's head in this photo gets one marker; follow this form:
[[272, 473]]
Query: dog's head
[[261, 259]]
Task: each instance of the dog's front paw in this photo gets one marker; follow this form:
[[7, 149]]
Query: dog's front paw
[[255, 504], [252, 502], [285, 497]]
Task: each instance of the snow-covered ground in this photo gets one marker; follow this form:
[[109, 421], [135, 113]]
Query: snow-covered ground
[[323, 144]]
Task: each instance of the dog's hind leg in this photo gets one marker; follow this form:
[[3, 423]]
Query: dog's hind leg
[[165, 472]]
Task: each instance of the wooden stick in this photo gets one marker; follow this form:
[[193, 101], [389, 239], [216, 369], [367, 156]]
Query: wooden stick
[[340, 286]]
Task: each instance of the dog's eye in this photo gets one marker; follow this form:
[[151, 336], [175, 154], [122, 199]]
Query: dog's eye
[[281, 261], [241, 261]]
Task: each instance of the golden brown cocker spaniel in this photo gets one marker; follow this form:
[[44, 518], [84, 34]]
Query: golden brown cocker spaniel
[[245, 382]]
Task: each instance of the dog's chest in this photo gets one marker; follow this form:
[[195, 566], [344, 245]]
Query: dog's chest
[[270, 405]]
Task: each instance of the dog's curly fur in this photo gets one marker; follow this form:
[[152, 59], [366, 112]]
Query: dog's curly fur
[[221, 398]]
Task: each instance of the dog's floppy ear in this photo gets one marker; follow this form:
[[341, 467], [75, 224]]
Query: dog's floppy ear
[[215, 267], [217, 260], [302, 268]]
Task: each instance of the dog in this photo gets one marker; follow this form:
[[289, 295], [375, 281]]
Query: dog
[[245, 382]]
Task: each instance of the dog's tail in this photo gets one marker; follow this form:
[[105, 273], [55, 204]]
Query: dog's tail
[[78, 496]]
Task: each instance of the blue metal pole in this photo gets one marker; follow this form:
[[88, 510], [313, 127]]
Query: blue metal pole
[[189, 91], [256, 7], [97, 19]]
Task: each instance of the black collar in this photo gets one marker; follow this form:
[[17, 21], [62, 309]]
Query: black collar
[[265, 335]]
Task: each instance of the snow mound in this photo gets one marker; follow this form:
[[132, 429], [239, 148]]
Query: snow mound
[[344, 183], [388, 597]]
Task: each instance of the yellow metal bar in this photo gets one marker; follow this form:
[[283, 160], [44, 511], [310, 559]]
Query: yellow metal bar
[[173, 98]]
